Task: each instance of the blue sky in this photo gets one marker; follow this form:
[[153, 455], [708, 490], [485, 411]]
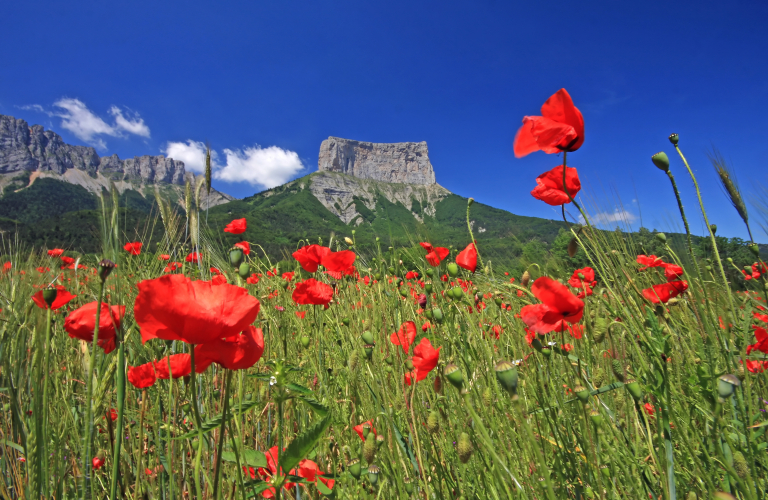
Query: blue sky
[[265, 82]]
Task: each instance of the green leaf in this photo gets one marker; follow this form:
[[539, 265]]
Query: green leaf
[[298, 388], [322, 488], [13, 445], [252, 458], [216, 421], [316, 405], [303, 444]]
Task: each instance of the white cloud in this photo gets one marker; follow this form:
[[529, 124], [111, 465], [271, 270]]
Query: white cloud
[[268, 167], [192, 153], [33, 107], [135, 126], [618, 215]]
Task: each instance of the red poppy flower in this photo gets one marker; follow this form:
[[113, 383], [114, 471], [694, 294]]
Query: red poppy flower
[[310, 256], [467, 258], [673, 272], [43, 269], [559, 128], [81, 323], [425, 358], [411, 275], [55, 252], [586, 292], [164, 256], [338, 261], [133, 248], [173, 307], [405, 336], [288, 276], [760, 317], [762, 341], [244, 246], [181, 365], [252, 279], [649, 261], [233, 353], [237, 226], [193, 257], [219, 280], [62, 298], [649, 409], [112, 414], [558, 303], [7, 266], [435, 255], [312, 291], [67, 262], [549, 186], [755, 366], [582, 278], [665, 291], [97, 463], [142, 376], [359, 429], [310, 471], [301, 314], [172, 267], [567, 347]]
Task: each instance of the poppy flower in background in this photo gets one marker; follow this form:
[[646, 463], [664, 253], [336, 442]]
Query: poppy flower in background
[[425, 358], [55, 252], [312, 292], [237, 226], [673, 272], [411, 275], [193, 257], [252, 279], [559, 128], [97, 463], [649, 261], [164, 256], [215, 270], [62, 298], [310, 471], [586, 292], [172, 267], [288, 276], [649, 409], [233, 353], [142, 376], [7, 266], [68, 262], [112, 414], [43, 269], [338, 261], [467, 258], [435, 255], [359, 429], [310, 256], [181, 365], [81, 323], [756, 366], [665, 291], [133, 248], [558, 303], [174, 307], [762, 341], [244, 246], [549, 186], [582, 278], [760, 317], [219, 280], [405, 336]]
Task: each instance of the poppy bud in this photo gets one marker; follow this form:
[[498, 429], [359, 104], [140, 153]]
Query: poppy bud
[[573, 247], [437, 385], [634, 389], [673, 138], [388, 360], [369, 350], [105, 268], [49, 296], [379, 440], [304, 341], [437, 314], [661, 160], [373, 474], [454, 375], [453, 270], [726, 385], [470, 202], [430, 272], [605, 471], [498, 301], [353, 466], [367, 337], [348, 241], [422, 300], [377, 276], [408, 485], [754, 249], [661, 237], [581, 393], [409, 364], [236, 256], [506, 374], [433, 422], [713, 228], [403, 292], [429, 314], [464, 447], [245, 270], [525, 279], [457, 293], [596, 418], [428, 288]]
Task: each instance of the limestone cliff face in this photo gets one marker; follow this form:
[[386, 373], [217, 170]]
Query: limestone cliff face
[[45, 154], [402, 162]]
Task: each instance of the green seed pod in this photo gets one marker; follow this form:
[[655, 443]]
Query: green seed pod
[[661, 160], [373, 474], [389, 369], [754, 249], [618, 370], [377, 276], [605, 471], [498, 301], [195, 444], [740, 464], [581, 393], [464, 447], [403, 291], [345, 321], [721, 495], [248, 397], [661, 237], [454, 375], [727, 384], [367, 337], [245, 270], [596, 418], [49, 296], [433, 422], [428, 288], [369, 448], [713, 228], [409, 364], [369, 351], [236, 256], [428, 314], [430, 272], [506, 375], [379, 440], [457, 293], [437, 314], [408, 485], [634, 389], [391, 269], [389, 360], [353, 466], [453, 270], [673, 138], [105, 268], [304, 341]]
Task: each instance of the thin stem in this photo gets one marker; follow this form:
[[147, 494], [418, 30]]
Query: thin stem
[[137, 488], [217, 469], [469, 226], [565, 188], [46, 373], [198, 423], [120, 407]]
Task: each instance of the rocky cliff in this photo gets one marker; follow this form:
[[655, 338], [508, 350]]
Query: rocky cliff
[[402, 162], [44, 153]]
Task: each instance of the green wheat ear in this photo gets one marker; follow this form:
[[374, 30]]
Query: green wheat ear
[[730, 185]]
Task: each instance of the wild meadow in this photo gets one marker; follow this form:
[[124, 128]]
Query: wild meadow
[[182, 368]]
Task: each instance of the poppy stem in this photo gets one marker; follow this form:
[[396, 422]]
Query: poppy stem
[[222, 431], [45, 381], [88, 433], [565, 188], [469, 226], [137, 488], [198, 424], [120, 407]]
